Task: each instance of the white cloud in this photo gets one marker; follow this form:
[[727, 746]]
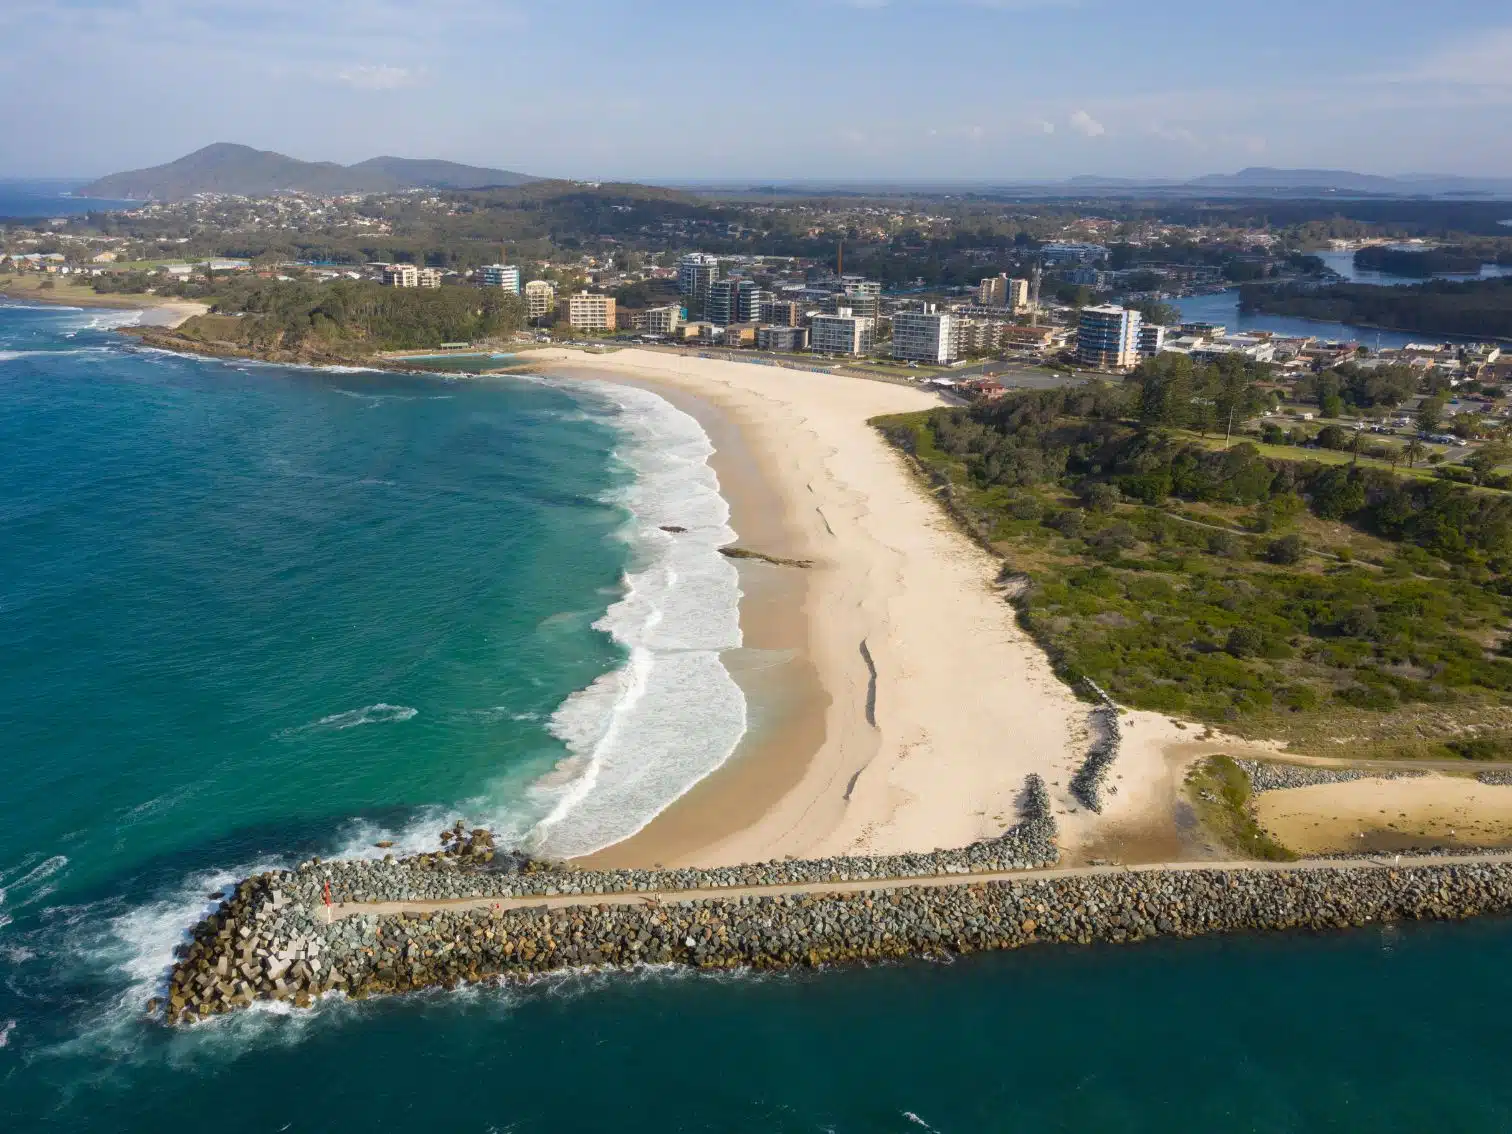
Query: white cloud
[[1046, 126], [378, 77], [1084, 123]]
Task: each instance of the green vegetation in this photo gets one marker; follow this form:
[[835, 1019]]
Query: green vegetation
[[1220, 584], [1477, 308], [352, 317], [1419, 262], [1220, 794]]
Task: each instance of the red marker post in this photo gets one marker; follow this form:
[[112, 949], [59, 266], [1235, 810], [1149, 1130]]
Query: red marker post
[[326, 891]]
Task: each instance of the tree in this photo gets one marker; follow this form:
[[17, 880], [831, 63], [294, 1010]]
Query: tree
[[1333, 437], [1331, 405], [1154, 311], [1485, 460], [1430, 413], [1099, 496], [1414, 451]]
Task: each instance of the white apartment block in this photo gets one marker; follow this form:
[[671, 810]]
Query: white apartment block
[[506, 276], [695, 272], [1107, 337], [588, 312], [428, 277], [924, 336], [401, 275], [1000, 291], [658, 320], [841, 333], [540, 299]]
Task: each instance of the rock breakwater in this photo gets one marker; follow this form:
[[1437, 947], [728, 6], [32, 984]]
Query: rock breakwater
[[1087, 784], [1279, 777], [263, 945]]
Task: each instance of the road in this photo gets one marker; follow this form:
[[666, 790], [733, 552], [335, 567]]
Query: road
[[662, 897]]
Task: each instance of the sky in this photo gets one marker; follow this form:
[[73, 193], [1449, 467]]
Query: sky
[[786, 89]]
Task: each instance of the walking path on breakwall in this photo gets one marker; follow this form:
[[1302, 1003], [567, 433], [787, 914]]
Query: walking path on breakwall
[[667, 897]]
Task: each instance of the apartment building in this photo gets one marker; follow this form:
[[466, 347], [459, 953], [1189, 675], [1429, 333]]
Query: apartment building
[[841, 333], [750, 301], [506, 276], [979, 336], [587, 311], [739, 335], [782, 338], [657, 320], [696, 272], [780, 313], [1152, 339], [540, 299], [1107, 337], [428, 277], [401, 275], [925, 336]]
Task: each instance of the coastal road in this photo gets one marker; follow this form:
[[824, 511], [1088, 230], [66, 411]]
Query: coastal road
[[666, 897]]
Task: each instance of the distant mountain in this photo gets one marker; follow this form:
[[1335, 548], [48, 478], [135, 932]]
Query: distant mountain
[[228, 168], [1262, 177], [421, 173]]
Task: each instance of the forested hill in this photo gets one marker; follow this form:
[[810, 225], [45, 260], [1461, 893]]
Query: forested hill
[[1474, 309], [228, 168]]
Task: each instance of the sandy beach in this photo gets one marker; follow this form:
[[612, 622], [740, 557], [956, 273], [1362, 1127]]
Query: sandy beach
[[933, 751], [157, 311]]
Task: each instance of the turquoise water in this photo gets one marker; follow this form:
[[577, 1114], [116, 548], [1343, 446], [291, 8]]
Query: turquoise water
[[250, 613]]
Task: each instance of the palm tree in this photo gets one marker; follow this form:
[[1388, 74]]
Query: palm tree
[[1415, 451]]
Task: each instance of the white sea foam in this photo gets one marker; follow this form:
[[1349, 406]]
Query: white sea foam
[[27, 882], [12, 355], [102, 321], [381, 713], [5, 1032], [644, 734]]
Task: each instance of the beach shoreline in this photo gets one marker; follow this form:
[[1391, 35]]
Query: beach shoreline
[[932, 705], [157, 311]]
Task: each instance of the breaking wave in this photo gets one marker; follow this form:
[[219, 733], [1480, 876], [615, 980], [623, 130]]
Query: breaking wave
[[643, 734]]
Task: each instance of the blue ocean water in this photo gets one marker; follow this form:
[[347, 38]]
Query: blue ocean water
[[249, 613], [50, 198]]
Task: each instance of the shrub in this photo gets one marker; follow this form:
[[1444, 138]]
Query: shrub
[[1244, 642], [1482, 747], [1285, 551]]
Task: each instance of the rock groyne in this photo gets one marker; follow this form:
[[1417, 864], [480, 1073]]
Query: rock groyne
[[1087, 784], [1280, 777], [263, 945]]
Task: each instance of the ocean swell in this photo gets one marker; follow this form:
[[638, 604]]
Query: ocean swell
[[643, 734]]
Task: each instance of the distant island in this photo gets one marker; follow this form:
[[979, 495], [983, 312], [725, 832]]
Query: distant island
[[245, 172], [1475, 308], [1422, 263]]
